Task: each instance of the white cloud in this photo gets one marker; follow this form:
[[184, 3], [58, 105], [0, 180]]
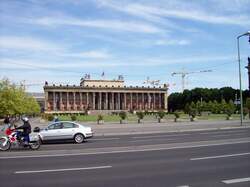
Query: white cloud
[[113, 25], [11, 63], [172, 42], [181, 10], [129, 8], [27, 43], [89, 54]]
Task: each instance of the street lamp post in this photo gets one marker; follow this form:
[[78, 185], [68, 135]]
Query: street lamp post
[[241, 100]]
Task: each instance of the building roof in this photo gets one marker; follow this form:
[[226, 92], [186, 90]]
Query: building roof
[[50, 87]]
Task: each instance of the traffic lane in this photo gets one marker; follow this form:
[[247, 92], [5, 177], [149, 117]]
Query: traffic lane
[[149, 139], [172, 167], [145, 139], [209, 150]]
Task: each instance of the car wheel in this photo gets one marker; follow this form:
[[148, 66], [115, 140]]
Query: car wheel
[[79, 138]]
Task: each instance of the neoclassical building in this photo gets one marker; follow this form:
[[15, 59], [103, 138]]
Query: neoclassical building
[[103, 96]]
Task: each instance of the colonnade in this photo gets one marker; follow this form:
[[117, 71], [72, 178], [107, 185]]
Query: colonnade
[[80, 101]]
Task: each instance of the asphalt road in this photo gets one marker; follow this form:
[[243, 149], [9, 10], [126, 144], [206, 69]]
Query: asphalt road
[[201, 158]]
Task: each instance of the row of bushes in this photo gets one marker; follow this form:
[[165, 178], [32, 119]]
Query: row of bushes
[[215, 107], [123, 115]]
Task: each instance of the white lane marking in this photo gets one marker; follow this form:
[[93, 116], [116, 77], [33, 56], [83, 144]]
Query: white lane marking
[[159, 136], [224, 132], [220, 156], [57, 170], [236, 134], [231, 181], [183, 186], [150, 140], [126, 151], [103, 139]]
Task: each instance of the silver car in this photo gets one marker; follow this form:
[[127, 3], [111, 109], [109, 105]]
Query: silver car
[[66, 130]]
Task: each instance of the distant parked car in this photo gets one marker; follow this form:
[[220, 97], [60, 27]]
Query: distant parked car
[[65, 130]]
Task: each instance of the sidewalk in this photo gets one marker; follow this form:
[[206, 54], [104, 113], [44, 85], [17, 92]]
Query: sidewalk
[[148, 127]]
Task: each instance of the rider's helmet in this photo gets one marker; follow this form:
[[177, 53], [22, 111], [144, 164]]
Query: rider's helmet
[[25, 119]]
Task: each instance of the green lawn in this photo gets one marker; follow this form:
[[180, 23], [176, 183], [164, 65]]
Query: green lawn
[[133, 117]]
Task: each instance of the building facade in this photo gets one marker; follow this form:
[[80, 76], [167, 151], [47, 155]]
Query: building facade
[[103, 96]]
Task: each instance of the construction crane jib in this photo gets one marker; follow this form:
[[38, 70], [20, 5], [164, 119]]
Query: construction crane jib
[[184, 73]]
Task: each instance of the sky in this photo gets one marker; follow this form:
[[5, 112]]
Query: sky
[[60, 41]]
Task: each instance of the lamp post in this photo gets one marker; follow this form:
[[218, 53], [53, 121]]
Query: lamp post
[[241, 100]]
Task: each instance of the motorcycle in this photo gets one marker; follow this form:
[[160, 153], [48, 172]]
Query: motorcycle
[[11, 140]]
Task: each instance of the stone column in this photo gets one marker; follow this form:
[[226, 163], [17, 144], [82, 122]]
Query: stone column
[[112, 101], [143, 101], [46, 100], [116, 103], [165, 101], [154, 101], [137, 101], [149, 101], [54, 101], [81, 105], [93, 100], [159, 101], [131, 101], [140, 100], [119, 101], [125, 101], [106, 100], [100, 101], [61, 103], [74, 101], [87, 100], [67, 101]]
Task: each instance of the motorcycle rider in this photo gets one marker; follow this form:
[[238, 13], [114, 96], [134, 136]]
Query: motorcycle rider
[[26, 127]]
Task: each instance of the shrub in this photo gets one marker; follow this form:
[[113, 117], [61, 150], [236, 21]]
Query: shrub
[[192, 112], [73, 117], [140, 115], [123, 115], [248, 105], [177, 115], [49, 117], [161, 114], [245, 111], [99, 117]]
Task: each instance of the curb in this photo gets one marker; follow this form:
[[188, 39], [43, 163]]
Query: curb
[[172, 131]]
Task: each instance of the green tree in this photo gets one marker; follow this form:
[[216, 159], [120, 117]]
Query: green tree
[[210, 106], [223, 105], [187, 108], [230, 108], [14, 100], [193, 110], [248, 105], [123, 115], [204, 106], [178, 101], [215, 107], [199, 107], [245, 112]]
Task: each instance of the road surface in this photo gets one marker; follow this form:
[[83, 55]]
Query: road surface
[[200, 158]]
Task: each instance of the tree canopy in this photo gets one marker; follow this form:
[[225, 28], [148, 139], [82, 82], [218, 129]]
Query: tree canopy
[[14, 100], [178, 101]]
